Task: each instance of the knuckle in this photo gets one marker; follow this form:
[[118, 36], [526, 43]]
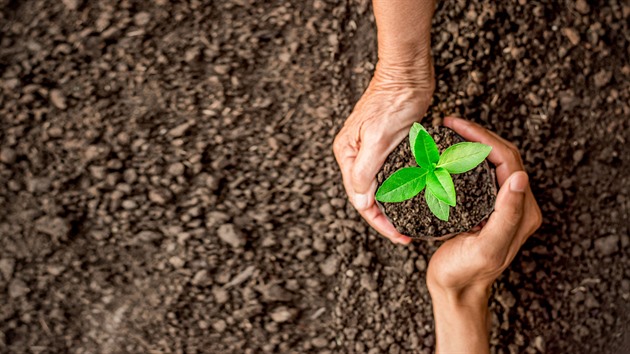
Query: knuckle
[[498, 263], [494, 262], [489, 259], [358, 174], [374, 136], [512, 147], [338, 144], [537, 220], [515, 154]]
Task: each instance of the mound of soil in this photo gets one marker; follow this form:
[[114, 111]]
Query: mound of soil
[[475, 190]]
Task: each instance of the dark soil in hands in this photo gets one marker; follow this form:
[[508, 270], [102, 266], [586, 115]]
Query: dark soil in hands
[[475, 190]]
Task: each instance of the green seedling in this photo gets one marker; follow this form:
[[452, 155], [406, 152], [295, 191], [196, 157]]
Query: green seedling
[[433, 172]]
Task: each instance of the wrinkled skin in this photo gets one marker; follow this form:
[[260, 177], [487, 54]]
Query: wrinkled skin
[[397, 97]]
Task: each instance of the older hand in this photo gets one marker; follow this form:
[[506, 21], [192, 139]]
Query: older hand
[[396, 97]]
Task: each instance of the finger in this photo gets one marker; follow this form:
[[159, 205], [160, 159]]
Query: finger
[[375, 217], [377, 220], [371, 156], [503, 155], [369, 211], [503, 225], [532, 216]]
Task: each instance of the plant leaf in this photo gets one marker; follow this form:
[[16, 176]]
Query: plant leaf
[[437, 207], [425, 150], [403, 184], [463, 157], [441, 185], [413, 133]]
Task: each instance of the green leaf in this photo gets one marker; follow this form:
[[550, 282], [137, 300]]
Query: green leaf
[[402, 185], [413, 133], [463, 157], [437, 207], [425, 150], [441, 185]]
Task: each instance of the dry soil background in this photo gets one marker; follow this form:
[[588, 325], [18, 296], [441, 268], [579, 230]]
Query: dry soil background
[[167, 182]]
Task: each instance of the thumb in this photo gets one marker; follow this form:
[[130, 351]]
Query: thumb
[[363, 177], [508, 210]]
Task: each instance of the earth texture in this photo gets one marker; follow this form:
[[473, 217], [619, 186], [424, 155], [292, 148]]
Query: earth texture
[[475, 190], [167, 182]]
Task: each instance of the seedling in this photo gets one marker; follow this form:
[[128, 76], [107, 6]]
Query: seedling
[[433, 172]]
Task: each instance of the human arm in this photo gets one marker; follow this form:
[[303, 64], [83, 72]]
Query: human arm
[[398, 95], [463, 269], [404, 36]]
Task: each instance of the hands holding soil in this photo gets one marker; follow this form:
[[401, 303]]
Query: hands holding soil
[[463, 269], [400, 92], [379, 121]]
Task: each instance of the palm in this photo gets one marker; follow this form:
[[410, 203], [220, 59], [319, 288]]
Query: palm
[[452, 262]]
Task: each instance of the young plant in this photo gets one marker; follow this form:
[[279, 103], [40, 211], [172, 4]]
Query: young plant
[[434, 172]]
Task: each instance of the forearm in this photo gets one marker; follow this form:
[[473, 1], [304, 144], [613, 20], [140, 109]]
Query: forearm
[[461, 324], [404, 30]]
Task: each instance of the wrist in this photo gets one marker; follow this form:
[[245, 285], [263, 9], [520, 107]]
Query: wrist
[[415, 78], [472, 295], [406, 40], [463, 316], [410, 55]]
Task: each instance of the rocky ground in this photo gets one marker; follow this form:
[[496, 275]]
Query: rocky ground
[[167, 181]]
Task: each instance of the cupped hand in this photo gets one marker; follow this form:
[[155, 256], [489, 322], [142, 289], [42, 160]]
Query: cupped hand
[[396, 97], [469, 263]]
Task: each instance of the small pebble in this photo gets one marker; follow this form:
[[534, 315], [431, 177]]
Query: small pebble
[[330, 265], [141, 18], [367, 282], [129, 204], [229, 234], [18, 288], [219, 326], [158, 197], [176, 262], [7, 156], [572, 35], [582, 7], [602, 78], [607, 245], [176, 169], [6, 268], [58, 99], [283, 314], [578, 155]]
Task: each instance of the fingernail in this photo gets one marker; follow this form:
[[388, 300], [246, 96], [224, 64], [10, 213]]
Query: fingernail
[[518, 182], [360, 201]]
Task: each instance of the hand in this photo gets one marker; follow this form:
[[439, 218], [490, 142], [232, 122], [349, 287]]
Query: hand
[[463, 269], [474, 260], [397, 96]]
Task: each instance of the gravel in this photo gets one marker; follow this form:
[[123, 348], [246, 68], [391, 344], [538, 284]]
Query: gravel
[[205, 114], [229, 234]]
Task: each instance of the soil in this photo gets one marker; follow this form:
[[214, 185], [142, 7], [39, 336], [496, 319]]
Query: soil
[[476, 192], [167, 183]]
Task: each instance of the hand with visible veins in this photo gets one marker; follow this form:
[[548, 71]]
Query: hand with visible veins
[[462, 271], [398, 95]]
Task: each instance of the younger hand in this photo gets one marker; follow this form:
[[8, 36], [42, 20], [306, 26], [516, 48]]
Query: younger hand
[[463, 269], [468, 264]]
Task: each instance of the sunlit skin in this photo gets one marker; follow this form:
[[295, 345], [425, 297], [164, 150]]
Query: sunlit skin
[[461, 272]]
